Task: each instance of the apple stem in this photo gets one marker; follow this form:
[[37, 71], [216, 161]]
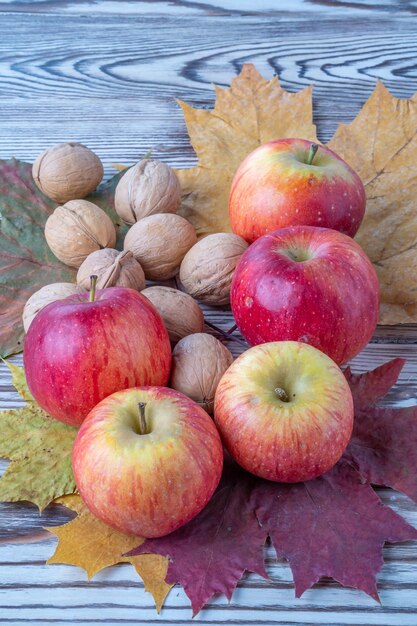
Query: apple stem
[[282, 394], [93, 283], [312, 152], [142, 419]]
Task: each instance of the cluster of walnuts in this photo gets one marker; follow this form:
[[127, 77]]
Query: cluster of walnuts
[[159, 245]]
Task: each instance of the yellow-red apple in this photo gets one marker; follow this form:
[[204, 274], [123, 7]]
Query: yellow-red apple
[[284, 411], [290, 182], [147, 460]]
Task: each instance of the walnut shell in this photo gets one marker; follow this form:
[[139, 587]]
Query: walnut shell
[[44, 296], [67, 171], [198, 363], [181, 314], [147, 188], [207, 269], [78, 228], [113, 269], [159, 242]]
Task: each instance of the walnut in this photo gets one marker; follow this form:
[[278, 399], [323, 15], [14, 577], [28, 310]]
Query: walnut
[[207, 269], [159, 242], [76, 229], [112, 268], [198, 363], [147, 188], [44, 296], [67, 171], [181, 314]]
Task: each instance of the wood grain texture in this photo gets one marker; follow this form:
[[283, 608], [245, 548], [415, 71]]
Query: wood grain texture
[[107, 73], [110, 78]]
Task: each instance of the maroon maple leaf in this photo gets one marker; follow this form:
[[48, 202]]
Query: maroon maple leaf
[[383, 444], [333, 526], [210, 554]]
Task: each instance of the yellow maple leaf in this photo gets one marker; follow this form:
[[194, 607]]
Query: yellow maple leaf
[[39, 448], [90, 544], [250, 113], [381, 145]]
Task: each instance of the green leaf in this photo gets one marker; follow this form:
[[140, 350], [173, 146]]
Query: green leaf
[[39, 448], [26, 263]]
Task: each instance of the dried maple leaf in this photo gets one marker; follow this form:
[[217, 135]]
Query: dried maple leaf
[[88, 543], [26, 263], [383, 443], [252, 112], [381, 144], [210, 554], [39, 448], [334, 526]]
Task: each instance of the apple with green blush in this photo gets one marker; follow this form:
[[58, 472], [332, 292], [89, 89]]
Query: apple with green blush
[[290, 182], [147, 460], [284, 411]]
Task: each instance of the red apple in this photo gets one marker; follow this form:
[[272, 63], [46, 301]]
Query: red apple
[[78, 352], [284, 183], [307, 284], [147, 460], [284, 411]]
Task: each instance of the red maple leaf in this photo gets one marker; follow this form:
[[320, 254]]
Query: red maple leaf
[[332, 526], [384, 440], [210, 554]]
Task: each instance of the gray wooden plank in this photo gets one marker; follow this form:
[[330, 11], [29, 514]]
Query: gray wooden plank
[[107, 73], [215, 7], [114, 87]]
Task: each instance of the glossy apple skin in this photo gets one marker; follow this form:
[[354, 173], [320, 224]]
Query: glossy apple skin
[[275, 188], [78, 352], [147, 485], [330, 300], [284, 441]]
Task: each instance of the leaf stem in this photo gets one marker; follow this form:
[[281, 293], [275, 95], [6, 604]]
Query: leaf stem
[[93, 283], [311, 153], [225, 334]]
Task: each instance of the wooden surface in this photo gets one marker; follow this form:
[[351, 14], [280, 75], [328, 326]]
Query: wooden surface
[[107, 73]]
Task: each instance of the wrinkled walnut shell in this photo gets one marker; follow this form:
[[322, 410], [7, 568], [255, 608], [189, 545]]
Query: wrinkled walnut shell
[[78, 228], [180, 312], [44, 296], [113, 269], [198, 363], [207, 269], [147, 188], [67, 171], [159, 242]]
